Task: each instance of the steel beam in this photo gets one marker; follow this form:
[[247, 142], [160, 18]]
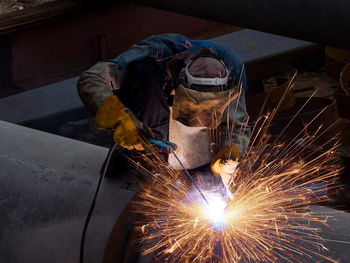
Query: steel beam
[[47, 183], [321, 21]]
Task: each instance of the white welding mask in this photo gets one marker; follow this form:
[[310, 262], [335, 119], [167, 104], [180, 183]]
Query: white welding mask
[[201, 98], [204, 92]]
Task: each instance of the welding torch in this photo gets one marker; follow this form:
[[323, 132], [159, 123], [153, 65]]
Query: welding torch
[[172, 147]]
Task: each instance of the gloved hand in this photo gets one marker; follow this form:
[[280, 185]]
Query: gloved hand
[[128, 130], [224, 165]]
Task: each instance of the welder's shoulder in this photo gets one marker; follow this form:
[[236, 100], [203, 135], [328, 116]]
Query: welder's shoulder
[[167, 37], [155, 46], [162, 41], [169, 43]]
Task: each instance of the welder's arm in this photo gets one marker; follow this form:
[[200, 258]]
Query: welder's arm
[[96, 84], [95, 88], [226, 161], [238, 117], [225, 164]]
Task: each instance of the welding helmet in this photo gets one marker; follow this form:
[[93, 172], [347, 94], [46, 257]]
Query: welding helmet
[[204, 90], [207, 71]]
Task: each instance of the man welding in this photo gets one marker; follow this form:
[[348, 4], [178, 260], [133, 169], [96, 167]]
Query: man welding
[[170, 87]]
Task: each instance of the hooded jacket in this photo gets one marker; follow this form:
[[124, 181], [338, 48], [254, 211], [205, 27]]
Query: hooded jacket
[[99, 82]]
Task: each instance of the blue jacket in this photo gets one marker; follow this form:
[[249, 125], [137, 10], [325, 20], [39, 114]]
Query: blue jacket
[[163, 47], [99, 82]]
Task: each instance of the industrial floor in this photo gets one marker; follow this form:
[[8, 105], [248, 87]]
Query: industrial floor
[[47, 181]]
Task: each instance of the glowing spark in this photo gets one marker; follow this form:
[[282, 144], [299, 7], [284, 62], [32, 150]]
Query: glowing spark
[[215, 211], [265, 222]]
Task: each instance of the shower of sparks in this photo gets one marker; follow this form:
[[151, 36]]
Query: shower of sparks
[[266, 221]]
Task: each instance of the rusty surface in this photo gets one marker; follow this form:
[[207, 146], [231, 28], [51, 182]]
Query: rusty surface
[[344, 128], [269, 91], [307, 114], [344, 79], [338, 67], [5, 66], [320, 21], [63, 48], [335, 60], [343, 194], [343, 102], [25, 13], [9, 6]]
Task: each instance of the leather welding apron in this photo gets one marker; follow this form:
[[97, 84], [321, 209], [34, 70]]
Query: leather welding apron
[[192, 116]]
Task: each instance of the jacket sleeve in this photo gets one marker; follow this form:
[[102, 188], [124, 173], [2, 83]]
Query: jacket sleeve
[[96, 84]]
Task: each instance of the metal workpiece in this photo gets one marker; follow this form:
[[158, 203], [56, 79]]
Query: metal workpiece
[[46, 187], [321, 21]]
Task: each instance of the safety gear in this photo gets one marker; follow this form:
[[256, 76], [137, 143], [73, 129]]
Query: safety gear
[[193, 145], [225, 164], [203, 93], [228, 174], [206, 66], [107, 113], [192, 114], [227, 153], [204, 71], [197, 109], [113, 115]]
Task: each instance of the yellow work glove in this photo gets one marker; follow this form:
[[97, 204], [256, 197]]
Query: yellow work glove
[[224, 165], [113, 115]]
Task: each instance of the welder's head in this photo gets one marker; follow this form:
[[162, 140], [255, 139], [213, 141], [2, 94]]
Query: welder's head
[[205, 90], [205, 72]]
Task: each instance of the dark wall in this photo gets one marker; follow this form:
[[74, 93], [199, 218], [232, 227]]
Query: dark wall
[[5, 63], [63, 48]]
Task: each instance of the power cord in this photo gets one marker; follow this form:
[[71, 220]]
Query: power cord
[[87, 220]]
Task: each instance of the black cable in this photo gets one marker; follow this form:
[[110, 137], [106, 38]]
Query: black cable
[[87, 220]]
